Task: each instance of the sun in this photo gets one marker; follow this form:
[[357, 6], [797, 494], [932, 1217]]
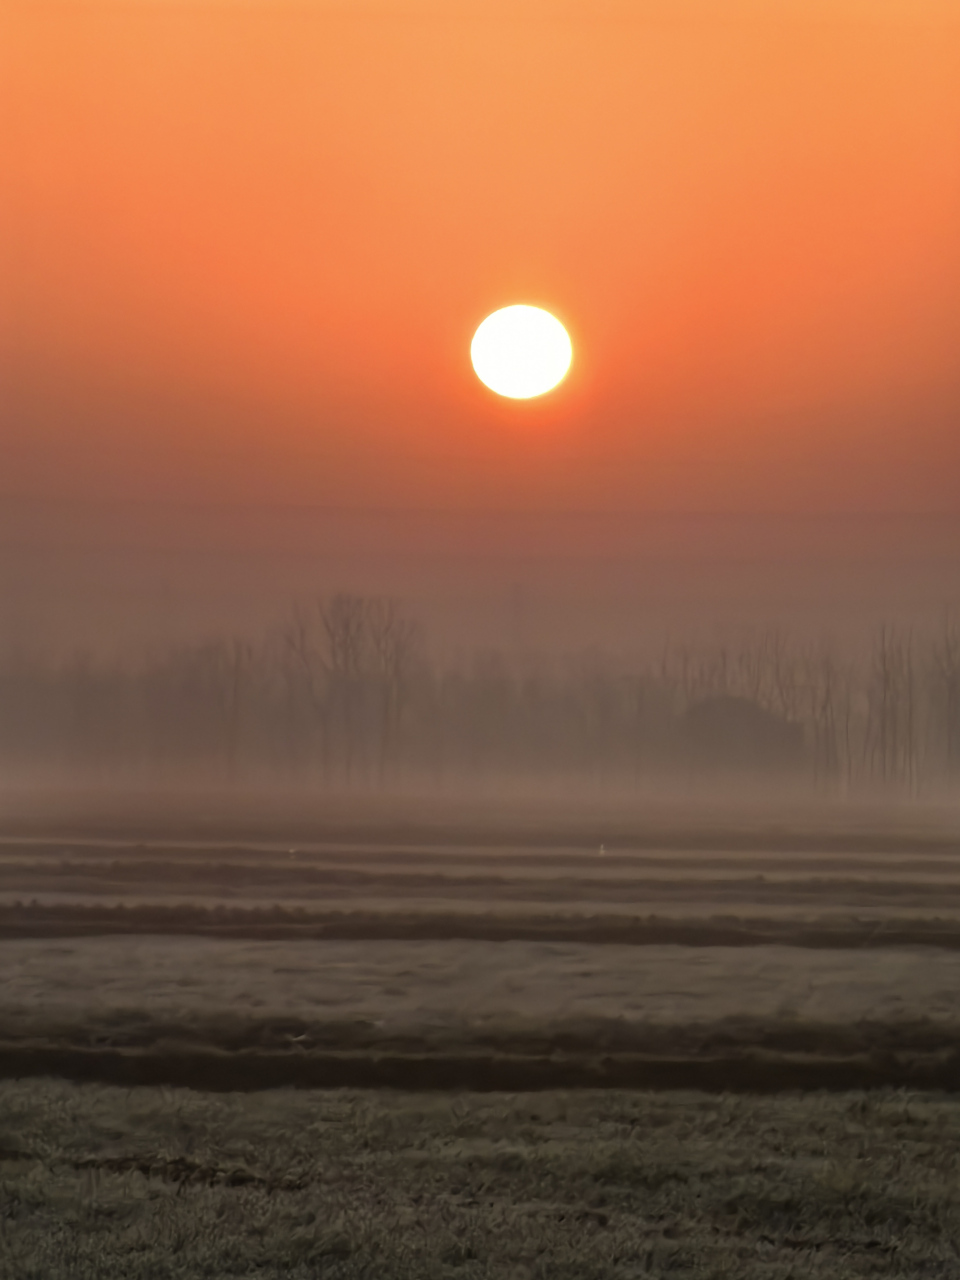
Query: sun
[[521, 352]]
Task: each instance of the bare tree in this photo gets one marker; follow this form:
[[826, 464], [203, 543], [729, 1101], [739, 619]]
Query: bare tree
[[946, 672], [890, 742], [306, 675], [353, 656], [394, 641], [829, 688], [232, 663]]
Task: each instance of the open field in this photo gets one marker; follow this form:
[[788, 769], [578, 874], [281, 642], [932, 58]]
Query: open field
[[674, 1055], [444, 950], [103, 1184], [914, 880], [91, 985], [226, 1013]]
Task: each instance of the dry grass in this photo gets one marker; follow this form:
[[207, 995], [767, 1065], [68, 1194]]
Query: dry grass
[[237, 1015], [167, 1184], [463, 983], [108, 1184]]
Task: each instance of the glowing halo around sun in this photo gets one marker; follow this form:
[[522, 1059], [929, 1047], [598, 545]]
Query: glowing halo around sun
[[521, 352]]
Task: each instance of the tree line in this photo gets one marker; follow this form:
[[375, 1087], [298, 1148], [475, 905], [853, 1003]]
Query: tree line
[[344, 694]]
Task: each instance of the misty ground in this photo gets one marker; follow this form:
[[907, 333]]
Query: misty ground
[[516, 947], [509, 988]]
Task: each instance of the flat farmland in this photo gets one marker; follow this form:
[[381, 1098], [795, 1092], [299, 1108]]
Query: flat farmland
[[104, 1183], [466, 957], [439, 1053], [464, 879]]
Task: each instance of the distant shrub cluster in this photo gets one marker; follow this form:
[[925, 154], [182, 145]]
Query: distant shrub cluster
[[344, 694]]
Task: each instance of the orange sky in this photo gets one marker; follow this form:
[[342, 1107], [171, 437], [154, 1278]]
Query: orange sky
[[245, 247]]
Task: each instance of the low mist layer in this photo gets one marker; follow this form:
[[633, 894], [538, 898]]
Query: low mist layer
[[347, 692]]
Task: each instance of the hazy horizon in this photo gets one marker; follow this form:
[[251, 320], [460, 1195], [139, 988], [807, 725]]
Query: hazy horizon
[[118, 575]]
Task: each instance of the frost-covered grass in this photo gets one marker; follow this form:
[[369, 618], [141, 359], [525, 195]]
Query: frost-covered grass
[[113, 982], [108, 1183]]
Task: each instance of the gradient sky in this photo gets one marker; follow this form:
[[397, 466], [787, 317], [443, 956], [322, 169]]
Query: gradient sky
[[245, 246]]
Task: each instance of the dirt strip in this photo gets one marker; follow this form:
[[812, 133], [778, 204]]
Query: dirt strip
[[324, 886], [158, 832], [279, 924], [219, 1072]]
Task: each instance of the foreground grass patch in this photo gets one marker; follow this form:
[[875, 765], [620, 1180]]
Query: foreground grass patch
[[155, 1183]]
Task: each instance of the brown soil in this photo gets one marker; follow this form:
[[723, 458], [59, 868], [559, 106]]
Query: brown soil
[[40, 920], [753, 1072]]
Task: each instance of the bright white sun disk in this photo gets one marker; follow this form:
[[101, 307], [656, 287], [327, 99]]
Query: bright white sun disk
[[521, 352]]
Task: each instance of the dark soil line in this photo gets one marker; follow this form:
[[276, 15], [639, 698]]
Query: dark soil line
[[52, 858], [277, 924], [212, 879], [179, 1170], [616, 835], [224, 1073]]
